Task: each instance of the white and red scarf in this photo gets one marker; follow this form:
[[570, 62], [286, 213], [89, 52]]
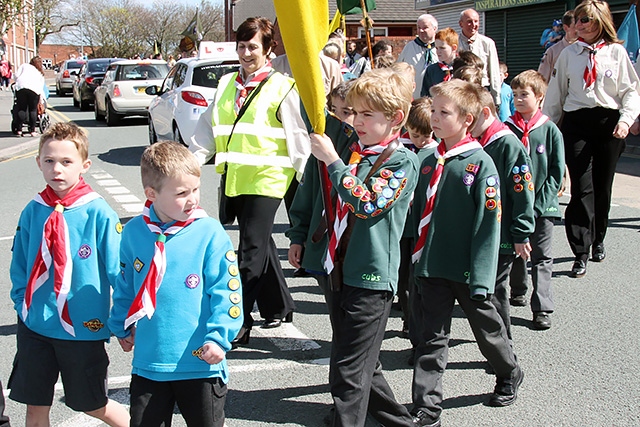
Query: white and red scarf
[[590, 74], [526, 127], [447, 69], [144, 303], [55, 248], [245, 88], [358, 151], [441, 153], [496, 130]]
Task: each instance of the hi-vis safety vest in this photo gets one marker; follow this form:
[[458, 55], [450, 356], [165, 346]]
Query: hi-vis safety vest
[[256, 157]]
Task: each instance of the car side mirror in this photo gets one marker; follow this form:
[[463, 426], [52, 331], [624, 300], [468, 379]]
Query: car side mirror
[[152, 90]]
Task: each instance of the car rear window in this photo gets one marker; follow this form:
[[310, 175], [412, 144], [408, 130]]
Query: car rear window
[[209, 75], [143, 71], [74, 64], [98, 66]]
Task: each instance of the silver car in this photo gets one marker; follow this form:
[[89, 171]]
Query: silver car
[[67, 75]]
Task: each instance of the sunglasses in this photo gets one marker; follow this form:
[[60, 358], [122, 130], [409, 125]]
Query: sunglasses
[[585, 19]]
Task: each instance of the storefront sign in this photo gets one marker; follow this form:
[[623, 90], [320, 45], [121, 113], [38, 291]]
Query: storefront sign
[[483, 5]]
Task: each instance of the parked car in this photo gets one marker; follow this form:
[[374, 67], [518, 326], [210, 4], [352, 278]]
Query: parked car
[[188, 90], [89, 78], [122, 92], [67, 75]]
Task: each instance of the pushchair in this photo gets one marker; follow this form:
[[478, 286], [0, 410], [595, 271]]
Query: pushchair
[[42, 123]]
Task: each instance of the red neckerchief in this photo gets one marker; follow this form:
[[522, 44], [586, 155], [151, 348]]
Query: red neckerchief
[[493, 128], [590, 70], [55, 249], [442, 154], [447, 69], [245, 89], [144, 303], [526, 127]]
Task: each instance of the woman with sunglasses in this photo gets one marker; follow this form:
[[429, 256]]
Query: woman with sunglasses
[[595, 93]]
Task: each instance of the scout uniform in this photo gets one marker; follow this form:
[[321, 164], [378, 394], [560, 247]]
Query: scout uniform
[[458, 262], [546, 150], [517, 196]]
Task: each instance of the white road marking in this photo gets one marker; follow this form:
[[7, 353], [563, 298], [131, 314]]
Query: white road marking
[[117, 190], [108, 182], [128, 201], [126, 198], [133, 208]]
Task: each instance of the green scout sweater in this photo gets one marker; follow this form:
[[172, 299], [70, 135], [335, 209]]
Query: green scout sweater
[[306, 209], [464, 234], [546, 149], [517, 196], [409, 231], [380, 207]]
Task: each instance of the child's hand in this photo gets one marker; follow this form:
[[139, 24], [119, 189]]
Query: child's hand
[[621, 130], [127, 343], [322, 148], [635, 128], [523, 250], [212, 353], [295, 254]]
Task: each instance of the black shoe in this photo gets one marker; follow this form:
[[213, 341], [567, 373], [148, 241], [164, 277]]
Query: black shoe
[[300, 272], [506, 391], [518, 301], [288, 318], [242, 338], [271, 323], [404, 333], [422, 419], [541, 320], [579, 268], [412, 357], [598, 253], [328, 419]]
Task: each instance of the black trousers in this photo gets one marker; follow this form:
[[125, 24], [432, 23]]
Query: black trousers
[[260, 270], [500, 297], [27, 106], [4, 420], [591, 154], [201, 402], [355, 373], [437, 299]]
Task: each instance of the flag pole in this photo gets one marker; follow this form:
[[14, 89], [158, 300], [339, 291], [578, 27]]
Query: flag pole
[[367, 26]]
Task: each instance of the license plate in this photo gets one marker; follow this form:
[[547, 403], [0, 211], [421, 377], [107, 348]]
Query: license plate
[[141, 89]]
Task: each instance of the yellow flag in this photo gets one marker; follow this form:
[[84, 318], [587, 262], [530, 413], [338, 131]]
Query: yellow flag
[[304, 29], [335, 22]]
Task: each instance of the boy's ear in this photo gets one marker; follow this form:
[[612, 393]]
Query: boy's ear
[[85, 166], [398, 117], [150, 193]]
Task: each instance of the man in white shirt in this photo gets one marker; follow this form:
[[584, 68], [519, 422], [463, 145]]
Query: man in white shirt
[[421, 52], [482, 46]]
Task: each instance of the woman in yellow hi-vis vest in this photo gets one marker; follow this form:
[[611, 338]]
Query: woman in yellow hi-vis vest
[[260, 142]]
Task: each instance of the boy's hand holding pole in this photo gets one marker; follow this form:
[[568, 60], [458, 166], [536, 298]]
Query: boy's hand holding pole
[[322, 148]]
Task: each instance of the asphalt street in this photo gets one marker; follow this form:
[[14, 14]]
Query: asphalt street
[[581, 372]]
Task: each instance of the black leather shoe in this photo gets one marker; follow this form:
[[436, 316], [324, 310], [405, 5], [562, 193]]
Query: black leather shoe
[[271, 323], [422, 419], [579, 268], [242, 338], [598, 253], [518, 301], [506, 391], [541, 320], [288, 318]]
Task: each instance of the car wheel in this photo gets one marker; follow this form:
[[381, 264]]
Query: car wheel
[[153, 138], [99, 117], [110, 114], [176, 134], [84, 105]]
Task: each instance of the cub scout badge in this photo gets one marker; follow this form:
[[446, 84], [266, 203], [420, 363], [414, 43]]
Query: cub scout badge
[[192, 281], [471, 168], [468, 179], [540, 149]]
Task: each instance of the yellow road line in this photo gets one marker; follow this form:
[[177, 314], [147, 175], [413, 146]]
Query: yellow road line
[[61, 117], [23, 156]]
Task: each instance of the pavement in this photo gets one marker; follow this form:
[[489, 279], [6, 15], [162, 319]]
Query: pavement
[[13, 146]]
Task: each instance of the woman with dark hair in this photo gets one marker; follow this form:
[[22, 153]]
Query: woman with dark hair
[[29, 89], [596, 93], [255, 129]]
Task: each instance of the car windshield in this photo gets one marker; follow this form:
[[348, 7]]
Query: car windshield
[[143, 71], [98, 66], [209, 75]]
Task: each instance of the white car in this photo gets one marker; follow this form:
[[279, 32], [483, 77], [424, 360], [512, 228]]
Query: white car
[[188, 90], [122, 92]]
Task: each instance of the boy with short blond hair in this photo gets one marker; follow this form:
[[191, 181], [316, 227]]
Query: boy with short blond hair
[[177, 301], [456, 253], [517, 197], [69, 274], [371, 182], [447, 50], [543, 141]]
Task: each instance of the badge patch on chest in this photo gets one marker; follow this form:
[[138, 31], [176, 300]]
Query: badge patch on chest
[[192, 281], [138, 265], [468, 179], [94, 325], [84, 252]]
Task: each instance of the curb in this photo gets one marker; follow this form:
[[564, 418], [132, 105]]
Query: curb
[[22, 148]]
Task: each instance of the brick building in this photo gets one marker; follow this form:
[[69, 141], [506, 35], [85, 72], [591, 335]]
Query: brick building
[[19, 42]]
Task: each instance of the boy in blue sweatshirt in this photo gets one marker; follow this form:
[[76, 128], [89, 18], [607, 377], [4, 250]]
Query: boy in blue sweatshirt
[[61, 286], [177, 302]]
